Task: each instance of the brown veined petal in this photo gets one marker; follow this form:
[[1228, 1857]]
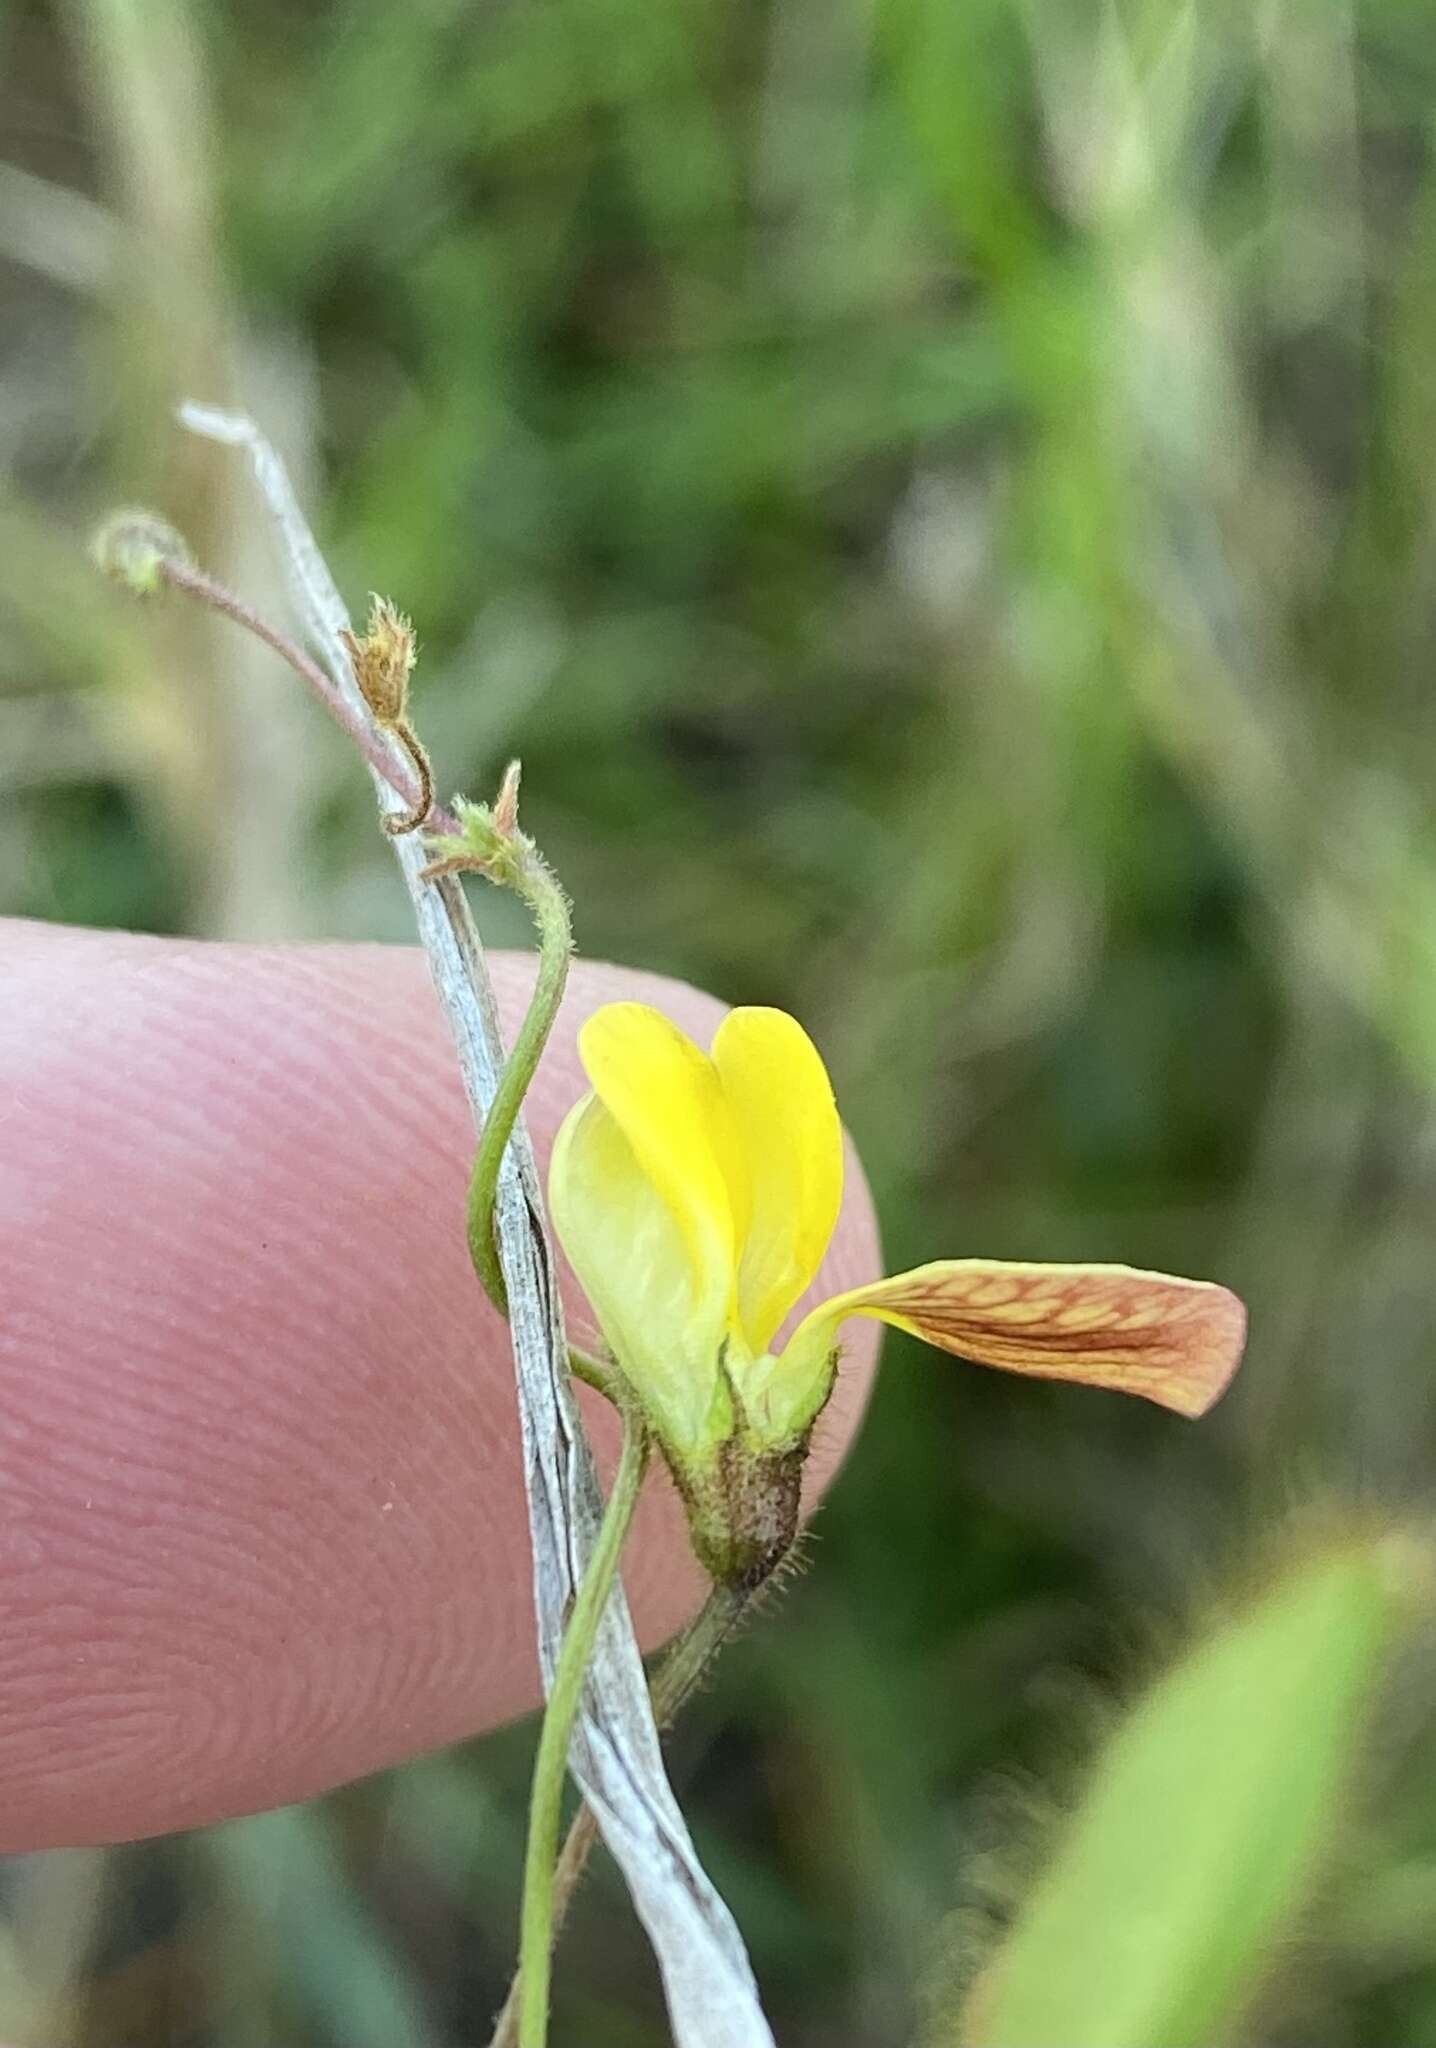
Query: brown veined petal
[[1176, 1342]]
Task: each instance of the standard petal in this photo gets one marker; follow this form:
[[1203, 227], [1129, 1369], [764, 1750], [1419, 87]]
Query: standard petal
[[787, 1130], [665, 1097], [665, 1324], [1176, 1342]]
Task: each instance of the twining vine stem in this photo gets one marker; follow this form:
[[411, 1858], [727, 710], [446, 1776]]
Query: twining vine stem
[[677, 1677], [551, 1764], [536, 883], [183, 575]]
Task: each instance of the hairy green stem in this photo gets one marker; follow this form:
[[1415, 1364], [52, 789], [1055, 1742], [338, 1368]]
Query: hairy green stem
[[676, 1678], [686, 1663], [540, 889], [604, 1378], [565, 1697]]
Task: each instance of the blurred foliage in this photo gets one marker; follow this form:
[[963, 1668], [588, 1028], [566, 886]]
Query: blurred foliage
[[943, 498], [1201, 1837]]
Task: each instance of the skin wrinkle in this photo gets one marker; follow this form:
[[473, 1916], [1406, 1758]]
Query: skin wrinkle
[[261, 1517]]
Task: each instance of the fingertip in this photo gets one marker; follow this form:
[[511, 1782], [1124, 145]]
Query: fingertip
[[261, 1505]]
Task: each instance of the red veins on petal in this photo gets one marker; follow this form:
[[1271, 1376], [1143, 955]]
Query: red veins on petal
[[1176, 1342]]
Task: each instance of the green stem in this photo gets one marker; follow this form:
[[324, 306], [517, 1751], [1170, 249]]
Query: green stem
[[539, 887], [565, 1696], [673, 1682], [594, 1372]]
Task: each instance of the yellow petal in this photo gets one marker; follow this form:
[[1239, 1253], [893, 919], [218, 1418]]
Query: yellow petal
[[665, 1097], [786, 1126], [665, 1321], [1176, 1342]]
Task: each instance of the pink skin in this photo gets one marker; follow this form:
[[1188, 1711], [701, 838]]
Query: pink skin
[[261, 1515]]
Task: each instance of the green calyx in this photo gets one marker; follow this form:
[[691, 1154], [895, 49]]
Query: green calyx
[[742, 1484], [743, 1506], [490, 840]]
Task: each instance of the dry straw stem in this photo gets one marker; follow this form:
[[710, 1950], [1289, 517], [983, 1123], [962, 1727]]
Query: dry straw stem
[[676, 1680], [616, 1758]]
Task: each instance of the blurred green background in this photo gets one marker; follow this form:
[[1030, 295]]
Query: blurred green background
[[943, 498]]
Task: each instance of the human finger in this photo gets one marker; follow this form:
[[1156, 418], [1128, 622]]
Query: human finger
[[261, 1512]]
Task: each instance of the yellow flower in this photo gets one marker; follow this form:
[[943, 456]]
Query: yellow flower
[[695, 1195]]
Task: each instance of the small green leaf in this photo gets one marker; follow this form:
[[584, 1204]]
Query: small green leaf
[[1202, 1830]]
